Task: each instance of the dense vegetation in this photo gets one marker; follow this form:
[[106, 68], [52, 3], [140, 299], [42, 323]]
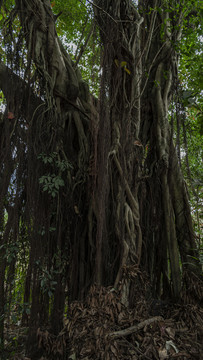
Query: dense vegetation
[[101, 138]]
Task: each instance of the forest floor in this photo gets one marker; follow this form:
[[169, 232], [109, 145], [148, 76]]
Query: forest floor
[[103, 328]]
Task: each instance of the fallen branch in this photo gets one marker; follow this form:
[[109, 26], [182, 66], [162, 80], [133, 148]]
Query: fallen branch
[[132, 329]]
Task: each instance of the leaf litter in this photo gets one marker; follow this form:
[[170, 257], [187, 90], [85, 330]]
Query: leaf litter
[[102, 327]]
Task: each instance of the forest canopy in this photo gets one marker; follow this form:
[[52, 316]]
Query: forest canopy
[[101, 180]]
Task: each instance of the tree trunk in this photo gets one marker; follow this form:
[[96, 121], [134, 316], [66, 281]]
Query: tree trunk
[[133, 132]]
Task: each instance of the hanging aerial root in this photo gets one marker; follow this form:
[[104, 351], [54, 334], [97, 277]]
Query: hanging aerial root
[[133, 203], [129, 222], [130, 196]]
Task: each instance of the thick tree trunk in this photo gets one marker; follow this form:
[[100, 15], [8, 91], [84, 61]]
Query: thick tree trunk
[[6, 170], [64, 119], [119, 131], [123, 75]]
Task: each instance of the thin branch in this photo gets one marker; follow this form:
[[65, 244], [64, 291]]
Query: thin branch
[[83, 47], [135, 328], [81, 37], [99, 8], [151, 32]]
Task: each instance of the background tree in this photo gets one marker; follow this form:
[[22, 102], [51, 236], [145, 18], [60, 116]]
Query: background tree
[[91, 185]]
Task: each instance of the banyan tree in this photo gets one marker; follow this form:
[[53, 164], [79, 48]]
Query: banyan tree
[[91, 186]]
